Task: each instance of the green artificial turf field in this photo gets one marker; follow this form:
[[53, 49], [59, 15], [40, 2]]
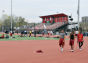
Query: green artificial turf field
[[17, 37]]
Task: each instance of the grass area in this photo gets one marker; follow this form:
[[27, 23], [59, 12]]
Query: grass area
[[27, 38]]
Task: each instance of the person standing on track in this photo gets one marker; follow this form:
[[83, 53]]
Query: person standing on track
[[80, 40], [72, 38], [11, 34], [62, 40], [30, 33]]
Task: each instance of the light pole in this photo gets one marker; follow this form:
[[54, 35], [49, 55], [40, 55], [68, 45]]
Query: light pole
[[11, 17], [34, 30], [3, 20], [78, 12]]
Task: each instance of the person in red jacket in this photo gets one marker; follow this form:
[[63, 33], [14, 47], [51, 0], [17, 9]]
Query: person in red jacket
[[2, 36], [11, 34], [62, 40], [80, 40]]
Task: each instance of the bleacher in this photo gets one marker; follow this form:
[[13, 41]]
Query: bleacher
[[50, 27]]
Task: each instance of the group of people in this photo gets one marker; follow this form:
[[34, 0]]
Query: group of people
[[25, 33], [72, 37], [6, 35], [47, 33]]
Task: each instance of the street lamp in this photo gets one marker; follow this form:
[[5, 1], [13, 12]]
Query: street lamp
[[11, 16], [3, 20], [78, 12]]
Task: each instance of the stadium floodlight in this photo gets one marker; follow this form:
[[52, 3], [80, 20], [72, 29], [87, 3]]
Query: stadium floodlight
[[71, 19], [70, 16]]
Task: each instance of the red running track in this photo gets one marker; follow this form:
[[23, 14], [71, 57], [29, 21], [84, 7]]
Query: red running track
[[25, 52]]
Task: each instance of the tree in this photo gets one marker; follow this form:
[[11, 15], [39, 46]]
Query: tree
[[0, 25], [16, 22], [20, 22]]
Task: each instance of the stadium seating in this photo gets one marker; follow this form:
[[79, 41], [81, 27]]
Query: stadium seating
[[49, 27]]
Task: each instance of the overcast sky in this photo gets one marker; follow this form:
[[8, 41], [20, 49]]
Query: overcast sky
[[32, 9]]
